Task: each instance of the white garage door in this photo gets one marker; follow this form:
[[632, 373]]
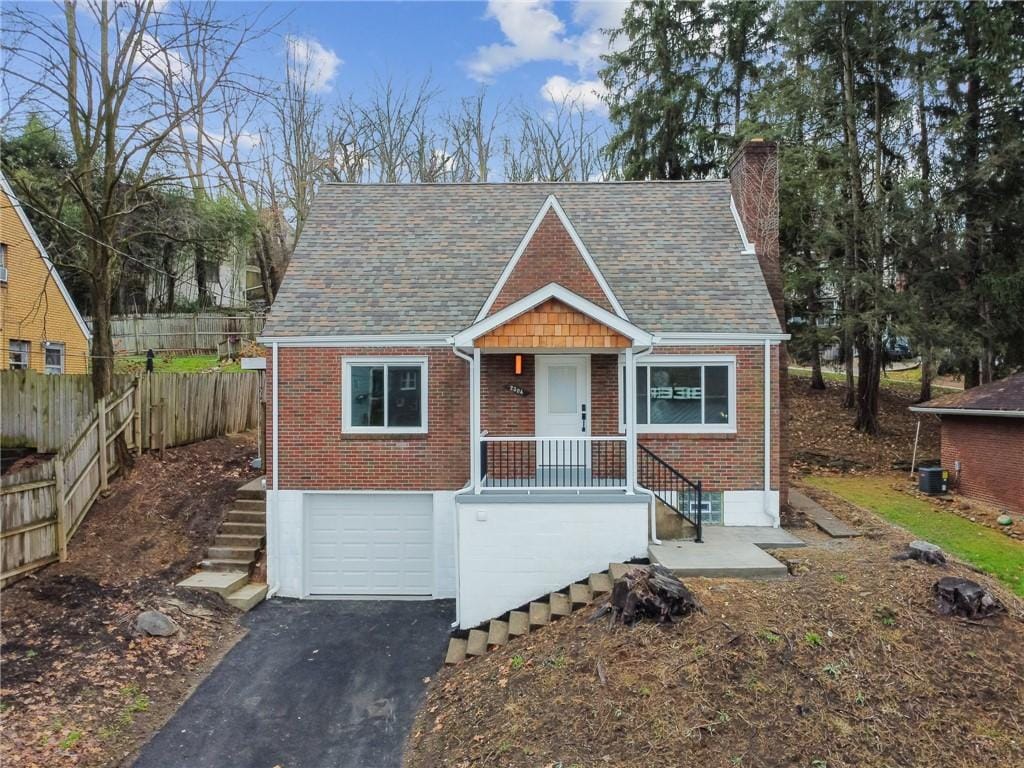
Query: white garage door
[[379, 544]]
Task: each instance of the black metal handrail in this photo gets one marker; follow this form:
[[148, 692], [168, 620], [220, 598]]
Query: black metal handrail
[[553, 463], [671, 487]]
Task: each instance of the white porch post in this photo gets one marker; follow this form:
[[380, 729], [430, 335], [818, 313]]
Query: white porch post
[[474, 426], [630, 394]]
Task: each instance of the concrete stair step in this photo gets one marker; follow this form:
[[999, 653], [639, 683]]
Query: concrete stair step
[[245, 516], [221, 582], [518, 623], [497, 632], [243, 529], [225, 564], [581, 594], [476, 645], [600, 583], [247, 596], [456, 651], [233, 540], [251, 505], [540, 614], [560, 604], [252, 490], [618, 570], [231, 553]]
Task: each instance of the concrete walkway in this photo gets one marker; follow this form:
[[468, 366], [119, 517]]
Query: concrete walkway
[[315, 683], [736, 552], [820, 516]]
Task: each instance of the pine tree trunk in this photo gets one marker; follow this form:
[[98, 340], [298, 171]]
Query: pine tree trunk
[[925, 394]]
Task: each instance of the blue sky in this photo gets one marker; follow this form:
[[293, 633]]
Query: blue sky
[[519, 50]]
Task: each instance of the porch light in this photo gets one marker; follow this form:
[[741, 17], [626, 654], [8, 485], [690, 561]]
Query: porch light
[[519, 365]]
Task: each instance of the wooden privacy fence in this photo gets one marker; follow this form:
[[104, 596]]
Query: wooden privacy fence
[[134, 334], [42, 506], [40, 411]]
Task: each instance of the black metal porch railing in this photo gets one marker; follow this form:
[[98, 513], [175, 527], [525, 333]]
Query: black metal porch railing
[[671, 487], [553, 463]]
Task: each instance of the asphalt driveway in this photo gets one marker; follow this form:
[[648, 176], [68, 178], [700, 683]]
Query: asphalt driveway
[[315, 684]]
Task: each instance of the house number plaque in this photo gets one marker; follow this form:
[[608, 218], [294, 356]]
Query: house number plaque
[[517, 390]]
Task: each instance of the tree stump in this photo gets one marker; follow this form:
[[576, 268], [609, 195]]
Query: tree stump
[[651, 593]]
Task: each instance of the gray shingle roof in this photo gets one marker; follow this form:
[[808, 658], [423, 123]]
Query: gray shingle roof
[[385, 259]]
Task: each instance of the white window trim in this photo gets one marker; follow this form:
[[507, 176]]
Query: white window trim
[[690, 429], [25, 348], [346, 388], [48, 345]]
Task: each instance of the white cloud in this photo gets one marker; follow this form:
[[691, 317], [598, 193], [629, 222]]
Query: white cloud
[[584, 93], [534, 32], [160, 60], [308, 59]]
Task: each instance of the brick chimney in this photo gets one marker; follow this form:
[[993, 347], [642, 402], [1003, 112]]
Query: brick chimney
[[754, 176]]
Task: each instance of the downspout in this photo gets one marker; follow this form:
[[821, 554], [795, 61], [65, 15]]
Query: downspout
[[768, 433], [474, 460], [272, 509], [631, 425]]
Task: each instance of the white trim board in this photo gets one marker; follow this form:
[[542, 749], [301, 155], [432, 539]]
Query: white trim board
[[382, 340], [552, 291], [550, 204], [46, 259], [748, 247], [967, 412]]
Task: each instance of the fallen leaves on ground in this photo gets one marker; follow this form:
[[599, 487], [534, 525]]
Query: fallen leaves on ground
[[79, 688], [846, 665]]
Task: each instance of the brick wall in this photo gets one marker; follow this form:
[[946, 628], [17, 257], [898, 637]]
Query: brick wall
[[550, 257], [991, 455], [316, 455], [727, 461]]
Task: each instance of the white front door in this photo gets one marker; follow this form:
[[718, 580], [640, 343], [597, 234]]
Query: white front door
[[563, 411]]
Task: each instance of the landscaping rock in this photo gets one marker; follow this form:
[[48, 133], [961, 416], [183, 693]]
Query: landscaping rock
[[923, 551], [1004, 520], [155, 624]]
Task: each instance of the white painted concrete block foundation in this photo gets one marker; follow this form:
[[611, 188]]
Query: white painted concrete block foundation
[[512, 553], [750, 508]]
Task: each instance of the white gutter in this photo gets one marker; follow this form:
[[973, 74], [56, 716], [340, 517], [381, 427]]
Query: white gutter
[[360, 340], [272, 548], [968, 412]]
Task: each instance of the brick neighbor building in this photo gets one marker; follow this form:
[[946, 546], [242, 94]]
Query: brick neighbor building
[[483, 388], [983, 440]]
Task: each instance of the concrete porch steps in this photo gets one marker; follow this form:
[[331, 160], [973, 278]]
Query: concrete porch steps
[[228, 564], [539, 613]]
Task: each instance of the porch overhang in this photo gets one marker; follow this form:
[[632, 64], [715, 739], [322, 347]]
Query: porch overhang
[[636, 336]]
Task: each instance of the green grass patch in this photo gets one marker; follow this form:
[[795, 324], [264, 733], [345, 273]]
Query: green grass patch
[[183, 364], [984, 548]]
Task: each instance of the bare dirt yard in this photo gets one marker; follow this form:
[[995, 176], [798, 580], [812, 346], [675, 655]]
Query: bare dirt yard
[[820, 433], [79, 687], [846, 664]]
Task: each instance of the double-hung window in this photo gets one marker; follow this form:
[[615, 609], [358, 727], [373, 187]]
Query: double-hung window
[[684, 394], [53, 357], [17, 354], [384, 395]]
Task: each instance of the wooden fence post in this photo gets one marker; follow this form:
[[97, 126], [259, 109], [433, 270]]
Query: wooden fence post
[[61, 504], [195, 330], [137, 415], [101, 428]]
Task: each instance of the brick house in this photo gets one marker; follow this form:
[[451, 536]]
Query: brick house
[[40, 327], [982, 434], [487, 390]]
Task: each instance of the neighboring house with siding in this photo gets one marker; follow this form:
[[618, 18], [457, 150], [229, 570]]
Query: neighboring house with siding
[[40, 327], [475, 388], [982, 435]]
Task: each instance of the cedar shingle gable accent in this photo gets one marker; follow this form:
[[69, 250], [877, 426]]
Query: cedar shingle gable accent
[[552, 325], [550, 257]]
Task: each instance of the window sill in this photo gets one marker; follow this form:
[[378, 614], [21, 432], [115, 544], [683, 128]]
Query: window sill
[[690, 429]]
